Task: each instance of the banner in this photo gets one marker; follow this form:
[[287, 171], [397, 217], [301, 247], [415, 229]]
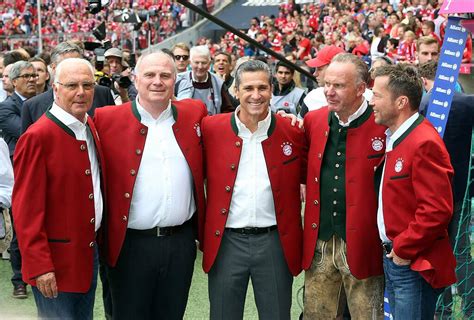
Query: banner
[[447, 74], [456, 6]]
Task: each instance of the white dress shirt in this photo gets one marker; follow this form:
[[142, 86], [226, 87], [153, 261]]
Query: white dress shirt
[[391, 138], [353, 116], [316, 99], [163, 192], [252, 199], [83, 133], [6, 175]]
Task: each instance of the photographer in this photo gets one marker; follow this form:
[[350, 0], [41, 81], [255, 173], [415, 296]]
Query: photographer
[[122, 87]]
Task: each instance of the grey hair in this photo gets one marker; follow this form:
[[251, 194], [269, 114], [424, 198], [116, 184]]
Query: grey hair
[[159, 52], [252, 66], [73, 61], [17, 67], [62, 49], [200, 51], [361, 68]]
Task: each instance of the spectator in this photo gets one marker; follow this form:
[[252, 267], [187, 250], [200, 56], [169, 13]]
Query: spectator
[[286, 96], [43, 74], [123, 89], [181, 56]]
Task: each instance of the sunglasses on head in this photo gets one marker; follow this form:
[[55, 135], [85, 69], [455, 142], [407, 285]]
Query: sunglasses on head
[[182, 57]]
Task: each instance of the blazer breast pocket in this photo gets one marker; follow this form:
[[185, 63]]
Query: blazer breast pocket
[[290, 160], [403, 176]]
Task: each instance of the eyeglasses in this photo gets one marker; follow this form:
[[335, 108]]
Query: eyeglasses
[[74, 86], [182, 57], [28, 76]]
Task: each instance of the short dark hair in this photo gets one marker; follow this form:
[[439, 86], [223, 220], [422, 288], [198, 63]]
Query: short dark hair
[[229, 58], [252, 66], [428, 70], [11, 57], [282, 64], [403, 80]]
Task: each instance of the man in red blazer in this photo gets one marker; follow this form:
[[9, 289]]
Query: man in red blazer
[[57, 198], [254, 163], [415, 198], [153, 151], [342, 250]]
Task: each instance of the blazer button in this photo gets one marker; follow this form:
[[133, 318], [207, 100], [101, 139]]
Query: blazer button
[[91, 196], [316, 202], [232, 167], [320, 155], [92, 221], [124, 218], [83, 147], [91, 245], [223, 211], [142, 131], [316, 179], [314, 225], [138, 151], [237, 144], [127, 195], [87, 172], [227, 188], [217, 233], [325, 133], [133, 172]]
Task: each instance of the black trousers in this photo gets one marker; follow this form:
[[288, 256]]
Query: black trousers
[[153, 275]]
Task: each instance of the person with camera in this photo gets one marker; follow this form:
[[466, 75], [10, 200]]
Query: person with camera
[[122, 87]]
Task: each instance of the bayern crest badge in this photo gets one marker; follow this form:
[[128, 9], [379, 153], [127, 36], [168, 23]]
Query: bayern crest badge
[[377, 143], [287, 149], [399, 165]]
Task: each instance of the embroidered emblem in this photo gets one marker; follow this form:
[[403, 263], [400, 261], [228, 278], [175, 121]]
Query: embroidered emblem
[[399, 165], [377, 143], [287, 149], [286, 104], [198, 129]]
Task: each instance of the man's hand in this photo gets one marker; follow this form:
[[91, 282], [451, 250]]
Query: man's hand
[[397, 260], [46, 284], [292, 117]]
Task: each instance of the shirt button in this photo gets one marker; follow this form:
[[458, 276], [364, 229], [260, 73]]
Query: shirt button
[[232, 167], [126, 195], [217, 233], [338, 153], [92, 221], [223, 211], [142, 131], [334, 202], [91, 245], [124, 218], [339, 130], [314, 225], [83, 147], [336, 177], [334, 213], [138, 151], [91, 196], [133, 172], [237, 144], [316, 202], [227, 188], [335, 190], [337, 165], [87, 172]]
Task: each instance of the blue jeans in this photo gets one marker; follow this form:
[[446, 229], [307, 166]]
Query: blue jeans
[[69, 305], [409, 295]]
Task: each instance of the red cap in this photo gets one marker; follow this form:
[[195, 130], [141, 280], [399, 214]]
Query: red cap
[[324, 56]]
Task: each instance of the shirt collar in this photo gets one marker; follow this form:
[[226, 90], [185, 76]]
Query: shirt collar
[[196, 80], [353, 116], [69, 120], [21, 97], [393, 136], [146, 117], [262, 126]]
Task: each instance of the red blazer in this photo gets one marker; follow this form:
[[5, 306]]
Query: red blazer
[[365, 147], [123, 139], [53, 204], [222, 149], [418, 202]]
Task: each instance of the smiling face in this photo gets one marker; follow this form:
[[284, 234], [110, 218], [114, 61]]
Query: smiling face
[[254, 93], [200, 65], [155, 80], [74, 89]]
